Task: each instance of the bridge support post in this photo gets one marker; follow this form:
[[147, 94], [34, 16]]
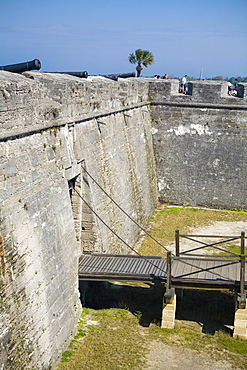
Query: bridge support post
[[169, 305], [177, 242], [240, 319], [169, 309]]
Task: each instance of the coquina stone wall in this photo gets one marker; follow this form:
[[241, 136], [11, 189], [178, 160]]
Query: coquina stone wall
[[200, 145], [66, 145], [54, 128]]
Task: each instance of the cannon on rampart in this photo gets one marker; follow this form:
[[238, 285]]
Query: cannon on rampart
[[119, 75], [83, 74], [22, 67]]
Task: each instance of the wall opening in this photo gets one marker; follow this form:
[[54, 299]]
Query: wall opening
[[84, 218]]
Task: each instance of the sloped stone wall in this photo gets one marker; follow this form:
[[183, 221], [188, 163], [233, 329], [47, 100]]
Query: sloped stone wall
[[53, 128]]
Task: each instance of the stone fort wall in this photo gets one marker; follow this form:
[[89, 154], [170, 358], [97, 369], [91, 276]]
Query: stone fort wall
[[200, 146], [61, 136]]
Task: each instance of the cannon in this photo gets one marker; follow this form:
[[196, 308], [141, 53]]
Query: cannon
[[22, 67], [119, 75], [76, 74]]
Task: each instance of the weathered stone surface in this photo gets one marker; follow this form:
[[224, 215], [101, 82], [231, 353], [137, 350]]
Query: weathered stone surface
[[57, 127], [200, 156]]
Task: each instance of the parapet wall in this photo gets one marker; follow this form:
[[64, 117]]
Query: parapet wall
[[49, 100], [198, 92], [65, 143]]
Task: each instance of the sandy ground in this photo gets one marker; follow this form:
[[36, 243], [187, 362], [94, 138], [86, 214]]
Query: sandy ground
[[164, 357]]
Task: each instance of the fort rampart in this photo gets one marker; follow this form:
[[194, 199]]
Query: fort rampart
[[60, 138]]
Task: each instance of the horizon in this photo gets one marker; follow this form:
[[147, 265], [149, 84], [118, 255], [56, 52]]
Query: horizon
[[99, 36]]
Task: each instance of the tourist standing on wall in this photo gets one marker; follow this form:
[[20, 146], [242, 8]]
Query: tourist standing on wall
[[183, 85], [236, 85]]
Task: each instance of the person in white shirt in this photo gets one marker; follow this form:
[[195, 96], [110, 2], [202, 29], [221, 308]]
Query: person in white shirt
[[183, 84]]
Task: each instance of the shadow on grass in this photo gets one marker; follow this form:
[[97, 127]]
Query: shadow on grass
[[145, 302], [213, 310]]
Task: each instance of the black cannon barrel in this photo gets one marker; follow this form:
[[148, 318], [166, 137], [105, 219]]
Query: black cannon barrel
[[77, 74], [121, 75], [22, 67]]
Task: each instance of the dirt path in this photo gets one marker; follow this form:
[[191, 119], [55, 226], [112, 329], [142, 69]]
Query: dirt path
[[164, 357]]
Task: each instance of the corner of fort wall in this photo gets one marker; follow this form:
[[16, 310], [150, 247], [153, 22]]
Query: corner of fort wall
[[68, 143]]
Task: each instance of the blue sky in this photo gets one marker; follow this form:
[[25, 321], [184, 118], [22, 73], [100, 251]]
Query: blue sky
[[98, 35]]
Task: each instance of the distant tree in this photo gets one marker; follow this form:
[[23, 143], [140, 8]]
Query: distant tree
[[218, 78], [240, 79], [141, 57]]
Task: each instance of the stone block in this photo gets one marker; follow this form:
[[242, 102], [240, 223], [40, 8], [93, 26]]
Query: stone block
[[241, 315], [167, 324], [240, 324], [168, 313], [240, 332]]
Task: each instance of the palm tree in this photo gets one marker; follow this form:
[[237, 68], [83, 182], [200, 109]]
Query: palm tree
[[140, 57]]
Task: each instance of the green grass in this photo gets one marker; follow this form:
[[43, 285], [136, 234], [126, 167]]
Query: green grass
[[118, 338], [232, 249], [165, 221], [114, 343]]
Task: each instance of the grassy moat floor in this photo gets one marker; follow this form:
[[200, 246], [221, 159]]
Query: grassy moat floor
[[120, 325]]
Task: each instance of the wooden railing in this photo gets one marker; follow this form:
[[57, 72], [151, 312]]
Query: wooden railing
[[235, 257]]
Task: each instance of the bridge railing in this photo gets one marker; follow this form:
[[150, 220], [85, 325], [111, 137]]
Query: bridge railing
[[215, 245], [235, 257]]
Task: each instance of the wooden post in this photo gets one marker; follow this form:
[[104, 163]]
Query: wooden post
[[169, 308], [242, 265], [168, 270], [240, 319], [177, 242]]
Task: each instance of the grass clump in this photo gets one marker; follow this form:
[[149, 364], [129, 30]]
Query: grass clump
[[66, 355], [114, 343]]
